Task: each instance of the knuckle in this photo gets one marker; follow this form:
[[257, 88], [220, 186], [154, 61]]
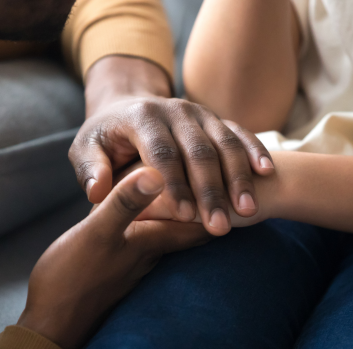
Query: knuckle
[[202, 152], [90, 138], [186, 109], [145, 107], [236, 128], [230, 142], [83, 141], [212, 194], [182, 109], [124, 203], [164, 153], [76, 147], [181, 104], [242, 179], [178, 186], [161, 150], [257, 147], [196, 107], [146, 115], [83, 172]]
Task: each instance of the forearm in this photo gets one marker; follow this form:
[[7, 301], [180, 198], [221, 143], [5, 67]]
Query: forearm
[[311, 188], [115, 77], [241, 61]]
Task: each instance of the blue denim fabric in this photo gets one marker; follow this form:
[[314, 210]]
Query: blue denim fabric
[[331, 324], [254, 288]]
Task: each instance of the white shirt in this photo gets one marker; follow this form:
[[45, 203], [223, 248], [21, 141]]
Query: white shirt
[[321, 119]]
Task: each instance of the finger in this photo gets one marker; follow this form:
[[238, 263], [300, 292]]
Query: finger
[[157, 148], [259, 157], [121, 176], [156, 211], [93, 168], [204, 174], [235, 167], [126, 201], [162, 237]]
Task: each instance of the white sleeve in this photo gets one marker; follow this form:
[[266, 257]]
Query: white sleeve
[[301, 8]]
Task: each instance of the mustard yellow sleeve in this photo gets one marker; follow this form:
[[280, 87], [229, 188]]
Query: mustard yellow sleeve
[[98, 28], [17, 337]]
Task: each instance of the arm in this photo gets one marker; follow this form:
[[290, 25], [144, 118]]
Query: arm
[[310, 188], [124, 51], [91, 267], [313, 188], [129, 114], [241, 61]]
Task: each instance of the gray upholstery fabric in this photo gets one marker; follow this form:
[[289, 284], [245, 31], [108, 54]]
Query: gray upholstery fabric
[[41, 108], [37, 99]]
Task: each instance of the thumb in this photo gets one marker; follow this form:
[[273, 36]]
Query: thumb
[[126, 201]]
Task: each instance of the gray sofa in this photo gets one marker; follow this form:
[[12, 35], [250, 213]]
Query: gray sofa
[[41, 108]]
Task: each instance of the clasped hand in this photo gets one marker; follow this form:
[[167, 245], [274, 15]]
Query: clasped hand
[[205, 161], [95, 264]]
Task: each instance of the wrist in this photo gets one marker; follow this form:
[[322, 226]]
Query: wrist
[[64, 327], [116, 78], [272, 191], [40, 325], [286, 193]]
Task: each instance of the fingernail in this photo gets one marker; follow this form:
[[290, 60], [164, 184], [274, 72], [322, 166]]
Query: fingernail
[[246, 202], [186, 210], [147, 185], [89, 186], [266, 162], [219, 220]]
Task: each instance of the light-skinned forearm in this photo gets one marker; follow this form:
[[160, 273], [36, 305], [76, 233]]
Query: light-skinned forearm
[[310, 188], [241, 61]]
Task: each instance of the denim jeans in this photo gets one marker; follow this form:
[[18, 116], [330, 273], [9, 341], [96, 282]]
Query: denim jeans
[[278, 284]]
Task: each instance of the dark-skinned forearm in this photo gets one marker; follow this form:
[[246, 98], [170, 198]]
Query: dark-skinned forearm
[[115, 76]]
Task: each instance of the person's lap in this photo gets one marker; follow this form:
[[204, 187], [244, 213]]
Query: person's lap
[[254, 288], [330, 326]]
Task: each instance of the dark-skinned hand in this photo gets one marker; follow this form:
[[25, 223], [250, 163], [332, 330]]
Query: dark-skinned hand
[[95, 264], [203, 159]]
